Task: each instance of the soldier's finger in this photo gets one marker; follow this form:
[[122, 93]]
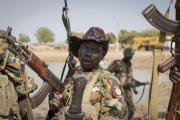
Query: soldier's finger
[[175, 68], [54, 105], [88, 115], [61, 96], [56, 101], [57, 97], [176, 78], [176, 74], [172, 80]]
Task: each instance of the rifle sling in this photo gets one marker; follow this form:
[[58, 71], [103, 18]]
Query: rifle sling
[[62, 74], [139, 98], [153, 89]]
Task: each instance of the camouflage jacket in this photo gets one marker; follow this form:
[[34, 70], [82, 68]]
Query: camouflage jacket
[[11, 84], [9, 65], [122, 71], [106, 93]]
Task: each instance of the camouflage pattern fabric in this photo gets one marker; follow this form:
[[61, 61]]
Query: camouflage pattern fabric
[[124, 73], [111, 106], [95, 33], [12, 71], [128, 52]]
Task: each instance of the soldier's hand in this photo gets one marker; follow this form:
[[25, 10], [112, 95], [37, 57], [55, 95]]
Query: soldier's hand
[[137, 83], [88, 115], [174, 75], [55, 102], [71, 64]]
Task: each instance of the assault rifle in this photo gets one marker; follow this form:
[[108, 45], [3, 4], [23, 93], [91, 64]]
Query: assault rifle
[[133, 85], [51, 82], [170, 27]]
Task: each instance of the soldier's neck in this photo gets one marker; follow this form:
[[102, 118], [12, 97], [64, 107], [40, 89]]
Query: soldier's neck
[[125, 61], [90, 70]]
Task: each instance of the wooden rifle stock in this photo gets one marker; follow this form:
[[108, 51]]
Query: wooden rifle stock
[[36, 65], [163, 67], [174, 101]]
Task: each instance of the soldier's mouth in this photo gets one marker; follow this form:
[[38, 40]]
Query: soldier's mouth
[[86, 61]]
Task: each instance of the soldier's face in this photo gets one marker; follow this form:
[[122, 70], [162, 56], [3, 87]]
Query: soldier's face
[[89, 55], [127, 59]]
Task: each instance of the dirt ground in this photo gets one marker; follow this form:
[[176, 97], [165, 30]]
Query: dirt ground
[[140, 59]]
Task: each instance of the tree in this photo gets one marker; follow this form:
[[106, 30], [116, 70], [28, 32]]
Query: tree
[[111, 37], [150, 33], [124, 36], [45, 35], [24, 38]]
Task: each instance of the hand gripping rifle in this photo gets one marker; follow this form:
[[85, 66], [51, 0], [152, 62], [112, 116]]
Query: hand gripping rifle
[[133, 85], [170, 27], [51, 82]]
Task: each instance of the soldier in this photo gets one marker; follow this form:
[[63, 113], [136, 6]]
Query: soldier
[[103, 97], [123, 71], [11, 83]]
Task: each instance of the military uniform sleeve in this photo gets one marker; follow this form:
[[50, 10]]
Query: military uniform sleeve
[[113, 105], [112, 67]]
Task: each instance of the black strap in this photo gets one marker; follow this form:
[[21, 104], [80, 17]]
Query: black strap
[[62, 74], [139, 98]]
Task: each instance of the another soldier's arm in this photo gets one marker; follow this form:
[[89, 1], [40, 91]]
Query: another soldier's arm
[[112, 67], [113, 106]]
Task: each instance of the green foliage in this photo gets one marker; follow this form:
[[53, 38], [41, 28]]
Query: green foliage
[[24, 38], [45, 35], [150, 33], [111, 37], [126, 37]]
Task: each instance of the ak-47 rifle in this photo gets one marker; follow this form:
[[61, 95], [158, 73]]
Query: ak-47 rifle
[[170, 27], [51, 82], [133, 85], [67, 26]]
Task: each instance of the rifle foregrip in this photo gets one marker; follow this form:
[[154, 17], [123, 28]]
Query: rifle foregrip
[[163, 67], [36, 65]]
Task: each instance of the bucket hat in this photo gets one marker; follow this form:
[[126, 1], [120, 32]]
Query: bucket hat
[[95, 34]]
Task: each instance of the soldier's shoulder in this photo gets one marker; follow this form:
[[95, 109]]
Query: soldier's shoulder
[[110, 78], [118, 62]]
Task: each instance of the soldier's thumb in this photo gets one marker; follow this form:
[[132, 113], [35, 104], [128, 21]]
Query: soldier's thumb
[[88, 115]]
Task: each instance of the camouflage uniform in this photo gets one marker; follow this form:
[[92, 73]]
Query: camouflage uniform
[[101, 99], [123, 72], [11, 86]]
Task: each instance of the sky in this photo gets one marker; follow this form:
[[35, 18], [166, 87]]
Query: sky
[[27, 16]]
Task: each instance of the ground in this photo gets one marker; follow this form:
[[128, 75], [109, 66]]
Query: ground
[[145, 57]]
